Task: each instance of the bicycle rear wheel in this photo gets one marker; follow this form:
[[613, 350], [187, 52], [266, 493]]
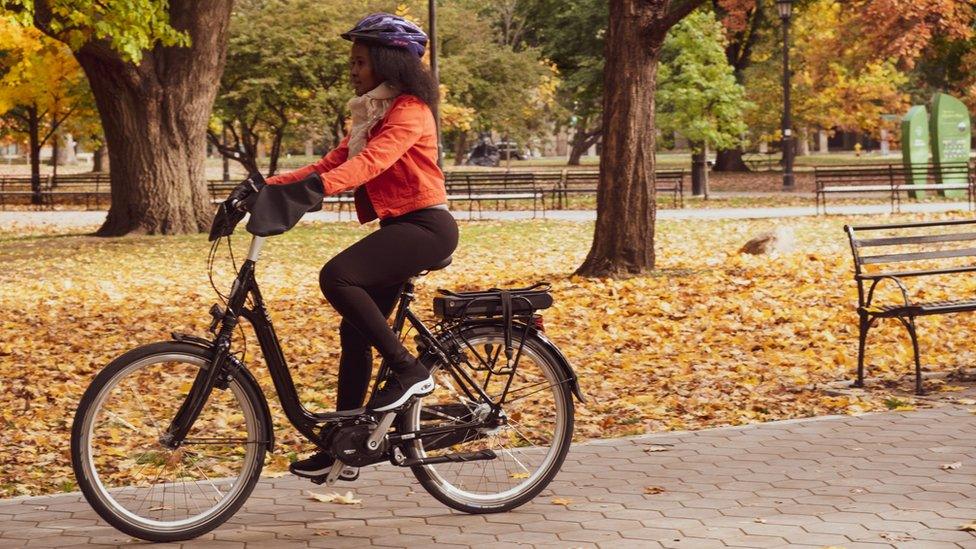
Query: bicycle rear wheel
[[144, 488], [530, 444]]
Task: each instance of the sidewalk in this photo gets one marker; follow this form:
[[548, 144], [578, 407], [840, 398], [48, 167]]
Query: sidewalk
[[93, 218], [869, 481]]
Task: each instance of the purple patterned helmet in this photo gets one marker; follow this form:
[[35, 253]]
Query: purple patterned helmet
[[389, 30]]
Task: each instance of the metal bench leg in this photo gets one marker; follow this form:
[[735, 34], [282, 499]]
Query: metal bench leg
[[913, 334], [864, 325]]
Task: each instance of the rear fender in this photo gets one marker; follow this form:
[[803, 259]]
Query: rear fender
[[565, 366]]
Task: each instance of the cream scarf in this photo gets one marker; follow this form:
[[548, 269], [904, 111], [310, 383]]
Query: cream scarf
[[367, 110]]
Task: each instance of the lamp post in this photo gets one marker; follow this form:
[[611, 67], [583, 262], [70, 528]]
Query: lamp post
[[432, 18], [785, 8]]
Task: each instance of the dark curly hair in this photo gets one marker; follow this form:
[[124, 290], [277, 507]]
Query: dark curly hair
[[403, 69]]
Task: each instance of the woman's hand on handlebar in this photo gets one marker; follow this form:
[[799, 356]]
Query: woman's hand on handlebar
[[244, 194]]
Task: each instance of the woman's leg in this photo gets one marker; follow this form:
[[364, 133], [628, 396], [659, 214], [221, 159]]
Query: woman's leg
[[384, 258], [356, 360]]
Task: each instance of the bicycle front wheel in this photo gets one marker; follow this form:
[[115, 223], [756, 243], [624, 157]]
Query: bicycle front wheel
[[139, 485], [529, 445]]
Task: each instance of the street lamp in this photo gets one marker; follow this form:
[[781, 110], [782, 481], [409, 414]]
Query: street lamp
[[785, 8], [432, 18]]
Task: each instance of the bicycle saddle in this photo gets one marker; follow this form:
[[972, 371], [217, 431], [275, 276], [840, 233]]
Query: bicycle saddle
[[442, 263], [437, 266]]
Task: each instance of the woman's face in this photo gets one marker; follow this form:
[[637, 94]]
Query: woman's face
[[360, 70]]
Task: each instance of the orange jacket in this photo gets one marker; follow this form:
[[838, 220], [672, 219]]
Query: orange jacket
[[398, 164]]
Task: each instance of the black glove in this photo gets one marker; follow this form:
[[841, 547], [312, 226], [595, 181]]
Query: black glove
[[245, 193]]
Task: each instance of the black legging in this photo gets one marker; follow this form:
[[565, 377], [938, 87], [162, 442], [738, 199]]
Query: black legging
[[362, 283]]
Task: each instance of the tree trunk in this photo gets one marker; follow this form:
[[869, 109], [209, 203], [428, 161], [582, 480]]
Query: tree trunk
[[730, 160], [155, 117], [699, 170], [583, 139], [55, 153], [34, 137], [98, 159], [803, 142], [623, 240], [460, 145]]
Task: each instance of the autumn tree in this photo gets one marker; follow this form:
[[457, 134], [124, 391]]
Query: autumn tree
[[154, 67], [571, 35], [623, 239], [745, 23], [490, 84], [41, 87], [275, 80], [836, 83], [697, 94]]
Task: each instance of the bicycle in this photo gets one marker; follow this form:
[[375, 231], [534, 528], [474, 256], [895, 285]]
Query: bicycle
[[170, 438]]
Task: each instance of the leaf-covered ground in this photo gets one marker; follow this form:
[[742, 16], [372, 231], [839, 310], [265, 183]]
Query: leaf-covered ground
[[712, 338]]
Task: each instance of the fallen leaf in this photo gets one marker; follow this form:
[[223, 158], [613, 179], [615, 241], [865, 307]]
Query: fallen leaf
[[760, 520], [274, 474], [656, 448], [653, 490], [324, 533], [519, 475], [333, 497], [562, 501], [971, 527], [967, 401], [950, 466], [896, 537]]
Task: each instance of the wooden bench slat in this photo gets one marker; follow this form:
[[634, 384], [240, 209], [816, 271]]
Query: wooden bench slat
[[917, 256], [916, 239]]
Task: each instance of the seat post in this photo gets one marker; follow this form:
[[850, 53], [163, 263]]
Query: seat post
[[406, 296]]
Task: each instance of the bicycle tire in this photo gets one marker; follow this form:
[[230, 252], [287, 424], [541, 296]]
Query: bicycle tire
[[91, 486], [428, 477]]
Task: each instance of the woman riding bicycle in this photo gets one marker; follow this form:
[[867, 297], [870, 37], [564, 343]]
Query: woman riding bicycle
[[389, 157]]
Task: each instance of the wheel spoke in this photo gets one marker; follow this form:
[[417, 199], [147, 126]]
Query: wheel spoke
[[194, 484], [526, 449]]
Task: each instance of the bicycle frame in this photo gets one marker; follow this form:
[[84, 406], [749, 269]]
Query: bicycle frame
[[306, 422]]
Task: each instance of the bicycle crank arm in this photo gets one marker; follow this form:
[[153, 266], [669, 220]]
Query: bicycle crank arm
[[339, 470], [480, 455]]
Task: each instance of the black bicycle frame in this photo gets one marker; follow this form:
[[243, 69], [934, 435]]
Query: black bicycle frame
[[305, 421]]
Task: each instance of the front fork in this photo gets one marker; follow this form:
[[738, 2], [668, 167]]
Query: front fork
[[202, 386]]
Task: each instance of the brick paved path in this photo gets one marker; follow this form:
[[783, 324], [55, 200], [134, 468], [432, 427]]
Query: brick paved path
[[868, 481]]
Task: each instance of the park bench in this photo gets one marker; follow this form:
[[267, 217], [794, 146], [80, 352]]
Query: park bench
[[91, 187], [18, 187], [889, 180], [932, 248], [760, 162], [586, 181], [476, 187]]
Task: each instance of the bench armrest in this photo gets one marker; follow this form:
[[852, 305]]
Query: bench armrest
[[901, 286]]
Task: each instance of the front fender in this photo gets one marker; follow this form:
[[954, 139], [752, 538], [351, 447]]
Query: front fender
[[240, 372]]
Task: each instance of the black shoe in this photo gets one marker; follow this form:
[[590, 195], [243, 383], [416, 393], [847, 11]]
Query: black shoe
[[317, 467], [400, 386]]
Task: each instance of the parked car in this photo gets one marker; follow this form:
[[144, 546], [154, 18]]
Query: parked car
[[511, 149]]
